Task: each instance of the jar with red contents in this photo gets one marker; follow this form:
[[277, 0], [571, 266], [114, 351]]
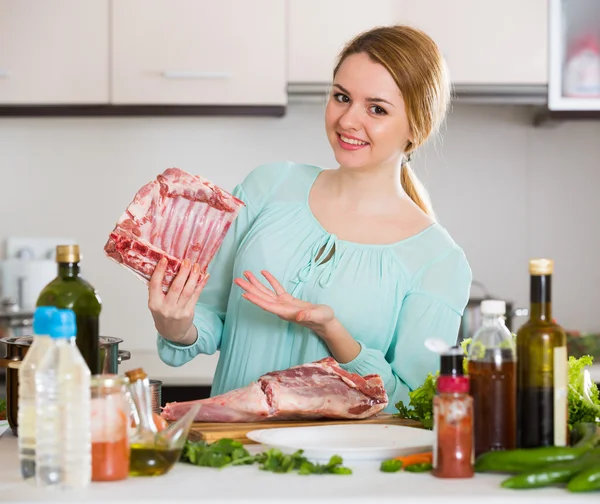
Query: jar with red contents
[[110, 428], [453, 454]]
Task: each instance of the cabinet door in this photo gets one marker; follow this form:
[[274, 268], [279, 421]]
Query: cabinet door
[[485, 42], [318, 30], [198, 52], [54, 51]]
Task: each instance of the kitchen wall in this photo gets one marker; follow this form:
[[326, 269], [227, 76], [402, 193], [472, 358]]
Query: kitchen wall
[[505, 190]]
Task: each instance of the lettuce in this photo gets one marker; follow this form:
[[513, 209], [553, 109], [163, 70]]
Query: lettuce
[[584, 402]]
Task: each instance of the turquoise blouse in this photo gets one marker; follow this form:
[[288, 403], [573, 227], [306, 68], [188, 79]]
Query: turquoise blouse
[[390, 298]]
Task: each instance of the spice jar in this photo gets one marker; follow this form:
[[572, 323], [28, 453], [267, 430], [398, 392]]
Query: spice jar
[[453, 420], [110, 428]]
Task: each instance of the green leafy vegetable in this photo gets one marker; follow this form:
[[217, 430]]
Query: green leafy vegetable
[[584, 402], [2, 408], [420, 406], [227, 452]]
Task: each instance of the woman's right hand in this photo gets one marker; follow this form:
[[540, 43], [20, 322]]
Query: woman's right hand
[[173, 312]]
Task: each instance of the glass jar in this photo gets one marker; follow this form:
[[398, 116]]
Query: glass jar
[[110, 428]]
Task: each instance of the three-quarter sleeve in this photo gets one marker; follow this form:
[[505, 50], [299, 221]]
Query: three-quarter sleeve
[[431, 308], [210, 310]]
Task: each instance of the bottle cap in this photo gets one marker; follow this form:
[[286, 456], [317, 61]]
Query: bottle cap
[[453, 384], [493, 307], [62, 324], [451, 362], [539, 267], [67, 254], [42, 317]]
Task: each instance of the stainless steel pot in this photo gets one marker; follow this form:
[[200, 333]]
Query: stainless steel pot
[[16, 349], [472, 318]]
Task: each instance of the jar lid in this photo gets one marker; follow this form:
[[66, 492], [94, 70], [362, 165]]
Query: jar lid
[[108, 380]]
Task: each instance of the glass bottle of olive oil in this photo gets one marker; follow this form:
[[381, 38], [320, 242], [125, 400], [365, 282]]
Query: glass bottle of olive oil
[[541, 367], [69, 290]]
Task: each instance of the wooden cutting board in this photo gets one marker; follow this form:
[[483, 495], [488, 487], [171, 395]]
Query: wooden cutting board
[[213, 431]]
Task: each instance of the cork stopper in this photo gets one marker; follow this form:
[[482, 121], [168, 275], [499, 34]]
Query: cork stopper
[[540, 267], [135, 375]]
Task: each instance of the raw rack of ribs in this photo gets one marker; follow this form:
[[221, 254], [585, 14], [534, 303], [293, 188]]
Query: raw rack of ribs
[[178, 216]]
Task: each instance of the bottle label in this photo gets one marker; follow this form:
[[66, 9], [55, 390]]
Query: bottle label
[[561, 381]]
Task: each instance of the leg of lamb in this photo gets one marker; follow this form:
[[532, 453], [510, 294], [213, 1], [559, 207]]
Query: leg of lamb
[[320, 389], [178, 216]]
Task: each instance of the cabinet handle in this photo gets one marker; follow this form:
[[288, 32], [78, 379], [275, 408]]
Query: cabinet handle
[[195, 75], [4, 73]]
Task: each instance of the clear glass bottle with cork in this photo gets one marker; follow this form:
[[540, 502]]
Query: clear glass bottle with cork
[[70, 291]]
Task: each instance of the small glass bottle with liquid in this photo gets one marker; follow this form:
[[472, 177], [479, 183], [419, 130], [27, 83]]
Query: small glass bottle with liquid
[[492, 372]]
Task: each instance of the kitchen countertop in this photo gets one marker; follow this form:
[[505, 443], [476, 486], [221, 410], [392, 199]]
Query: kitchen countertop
[[186, 483]]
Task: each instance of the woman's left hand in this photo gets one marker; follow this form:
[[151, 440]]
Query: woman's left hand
[[284, 305]]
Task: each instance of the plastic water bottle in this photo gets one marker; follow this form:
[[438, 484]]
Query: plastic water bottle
[[63, 450], [26, 415]]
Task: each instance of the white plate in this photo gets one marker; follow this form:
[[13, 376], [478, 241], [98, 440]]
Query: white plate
[[351, 442]]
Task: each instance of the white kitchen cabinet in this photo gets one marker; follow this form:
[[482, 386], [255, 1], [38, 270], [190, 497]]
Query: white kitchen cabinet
[[198, 52], [54, 52], [574, 84], [318, 30], [485, 42]]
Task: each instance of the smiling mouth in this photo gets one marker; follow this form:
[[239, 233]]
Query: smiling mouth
[[352, 141]]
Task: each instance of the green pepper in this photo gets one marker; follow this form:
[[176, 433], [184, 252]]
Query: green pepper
[[391, 465], [552, 473], [586, 481], [416, 468], [522, 459]]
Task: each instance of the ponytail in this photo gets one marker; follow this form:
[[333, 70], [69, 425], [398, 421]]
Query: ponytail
[[415, 189]]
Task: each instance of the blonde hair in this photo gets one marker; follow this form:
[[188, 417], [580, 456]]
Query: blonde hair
[[415, 62]]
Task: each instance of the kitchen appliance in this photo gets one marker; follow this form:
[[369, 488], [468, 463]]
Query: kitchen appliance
[[24, 279], [472, 318], [16, 348]]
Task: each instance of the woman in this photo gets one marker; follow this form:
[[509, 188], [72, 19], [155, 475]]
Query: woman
[[353, 262]]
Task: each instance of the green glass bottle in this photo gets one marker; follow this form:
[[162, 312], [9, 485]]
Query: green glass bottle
[[69, 290], [542, 382]]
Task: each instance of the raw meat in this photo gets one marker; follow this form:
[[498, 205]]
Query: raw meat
[[178, 216], [320, 389]]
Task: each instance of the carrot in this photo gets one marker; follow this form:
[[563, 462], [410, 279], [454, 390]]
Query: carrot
[[415, 458]]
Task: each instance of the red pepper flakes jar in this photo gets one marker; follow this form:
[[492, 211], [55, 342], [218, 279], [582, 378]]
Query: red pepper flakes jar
[[453, 420], [110, 428]]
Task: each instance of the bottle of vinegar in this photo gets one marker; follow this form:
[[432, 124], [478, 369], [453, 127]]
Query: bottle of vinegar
[[542, 382]]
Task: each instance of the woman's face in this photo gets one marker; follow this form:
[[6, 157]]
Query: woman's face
[[365, 118]]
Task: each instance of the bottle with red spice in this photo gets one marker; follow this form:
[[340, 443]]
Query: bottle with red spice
[[453, 419]]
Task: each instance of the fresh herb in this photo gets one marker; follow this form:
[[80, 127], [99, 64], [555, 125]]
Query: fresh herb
[[584, 402], [420, 406], [2, 409], [227, 452]]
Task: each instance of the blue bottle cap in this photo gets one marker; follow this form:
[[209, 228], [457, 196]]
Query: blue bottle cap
[[41, 319], [62, 324]]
